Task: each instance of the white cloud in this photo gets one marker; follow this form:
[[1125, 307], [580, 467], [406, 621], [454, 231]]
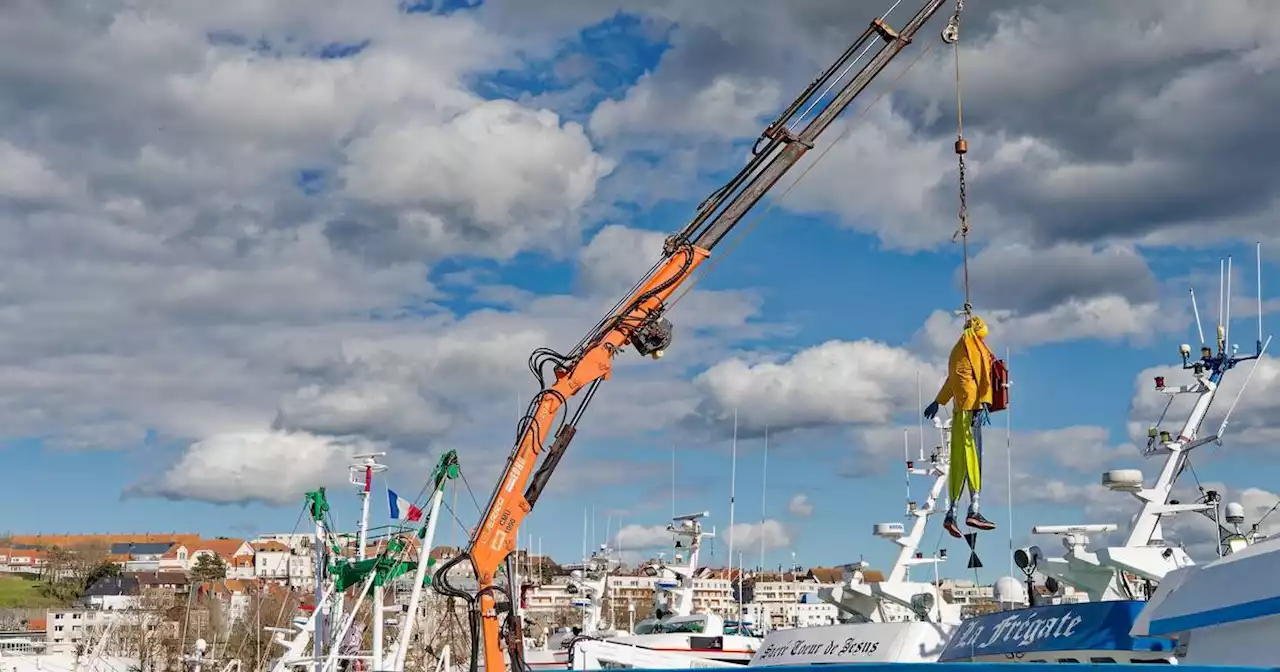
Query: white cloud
[[800, 506], [643, 538], [617, 258], [1096, 318], [496, 178], [650, 539], [270, 467], [836, 382], [202, 296], [747, 537], [727, 107], [25, 176]]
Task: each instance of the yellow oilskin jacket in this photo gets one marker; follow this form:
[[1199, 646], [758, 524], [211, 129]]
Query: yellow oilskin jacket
[[968, 369]]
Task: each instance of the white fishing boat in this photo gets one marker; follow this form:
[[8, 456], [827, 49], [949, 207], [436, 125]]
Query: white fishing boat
[[329, 637], [894, 620], [589, 586], [1226, 612], [1118, 580], [675, 635]]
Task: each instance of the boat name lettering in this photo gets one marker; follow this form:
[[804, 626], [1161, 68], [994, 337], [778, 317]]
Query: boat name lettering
[[832, 647], [1020, 629]]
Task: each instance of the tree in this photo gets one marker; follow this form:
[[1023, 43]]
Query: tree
[[68, 572], [208, 567], [249, 641], [103, 570], [545, 569]]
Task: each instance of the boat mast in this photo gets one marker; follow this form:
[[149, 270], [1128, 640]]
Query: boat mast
[[319, 509], [733, 480]]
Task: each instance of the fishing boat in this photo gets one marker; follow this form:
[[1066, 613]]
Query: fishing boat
[[329, 635], [674, 636], [896, 619], [1119, 580], [589, 586], [1225, 612]]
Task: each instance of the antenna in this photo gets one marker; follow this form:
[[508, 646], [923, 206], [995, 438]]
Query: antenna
[[1259, 257], [1222, 429], [733, 481], [1226, 335], [1261, 346], [906, 457], [1222, 279], [1196, 311], [1008, 457], [764, 491], [920, 407]]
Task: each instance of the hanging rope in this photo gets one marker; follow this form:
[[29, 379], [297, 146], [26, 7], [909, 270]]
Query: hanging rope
[[951, 35]]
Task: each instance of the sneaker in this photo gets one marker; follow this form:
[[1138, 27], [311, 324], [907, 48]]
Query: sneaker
[[949, 524], [975, 519]]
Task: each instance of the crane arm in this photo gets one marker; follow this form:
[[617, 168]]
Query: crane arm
[[638, 320]]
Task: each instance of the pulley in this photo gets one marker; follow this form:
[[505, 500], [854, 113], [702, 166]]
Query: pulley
[[951, 34]]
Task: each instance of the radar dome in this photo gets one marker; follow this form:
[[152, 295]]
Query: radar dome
[[1235, 513], [1009, 592]]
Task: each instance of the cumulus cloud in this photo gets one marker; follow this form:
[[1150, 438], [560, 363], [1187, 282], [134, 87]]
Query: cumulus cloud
[[524, 179], [227, 210], [648, 539], [618, 257], [836, 382], [800, 506], [269, 467], [771, 533], [728, 106], [1034, 296], [643, 537], [1110, 163]]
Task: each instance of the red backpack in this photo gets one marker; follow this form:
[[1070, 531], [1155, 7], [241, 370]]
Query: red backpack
[[999, 386]]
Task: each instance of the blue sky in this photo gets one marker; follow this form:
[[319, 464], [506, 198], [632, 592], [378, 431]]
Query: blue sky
[[860, 251]]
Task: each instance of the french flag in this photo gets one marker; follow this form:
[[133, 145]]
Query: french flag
[[403, 509]]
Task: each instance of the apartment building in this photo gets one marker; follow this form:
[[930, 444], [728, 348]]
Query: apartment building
[[78, 625], [788, 602]]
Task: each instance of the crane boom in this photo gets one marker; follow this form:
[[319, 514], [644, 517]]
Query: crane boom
[[638, 320]]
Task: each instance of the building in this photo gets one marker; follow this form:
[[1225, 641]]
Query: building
[[236, 554], [779, 601], [106, 540], [23, 560], [162, 587], [78, 625], [112, 592], [143, 556], [271, 560], [298, 541]]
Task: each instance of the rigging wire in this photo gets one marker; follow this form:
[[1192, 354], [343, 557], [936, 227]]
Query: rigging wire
[[471, 492], [262, 589]]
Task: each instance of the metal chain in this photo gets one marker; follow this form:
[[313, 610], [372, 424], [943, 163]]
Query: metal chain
[[951, 35]]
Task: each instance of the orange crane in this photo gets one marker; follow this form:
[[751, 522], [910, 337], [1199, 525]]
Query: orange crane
[[638, 320]]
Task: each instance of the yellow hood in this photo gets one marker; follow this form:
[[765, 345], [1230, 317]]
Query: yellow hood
[[968, 382]]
